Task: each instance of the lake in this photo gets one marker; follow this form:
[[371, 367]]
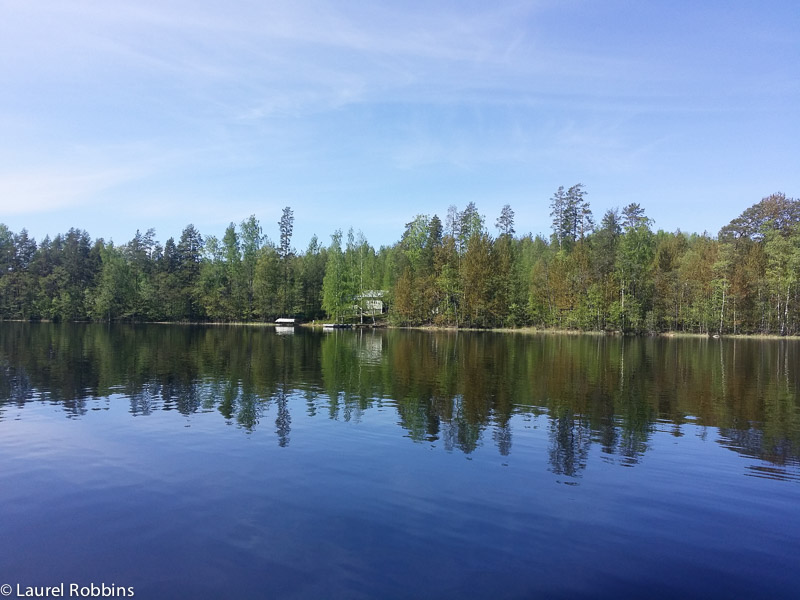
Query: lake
[[243, 462]]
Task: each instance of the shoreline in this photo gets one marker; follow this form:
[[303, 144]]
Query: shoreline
[[437, 328]]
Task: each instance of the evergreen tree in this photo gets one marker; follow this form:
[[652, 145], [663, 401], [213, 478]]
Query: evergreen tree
[[189, 255], [634, 259], [286, 254], [335, 294], [505, 222], [251, 240], [112, 296], [559, 216], [476, 273], [230, 276], [312, 274], [470, 224]]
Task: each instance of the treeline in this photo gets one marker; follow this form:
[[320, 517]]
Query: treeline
[[615, 275], [241, 277]]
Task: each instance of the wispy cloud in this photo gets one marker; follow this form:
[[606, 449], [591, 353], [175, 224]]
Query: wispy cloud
[[47, 190], [176, 107], [298, 53]]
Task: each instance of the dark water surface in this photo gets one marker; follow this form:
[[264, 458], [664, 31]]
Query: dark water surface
[[233, 462]]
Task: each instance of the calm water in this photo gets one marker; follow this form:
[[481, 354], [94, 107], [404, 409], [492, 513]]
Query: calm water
[[239, 463]]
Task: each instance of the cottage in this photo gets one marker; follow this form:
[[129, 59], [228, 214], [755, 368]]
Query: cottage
[[372, 302]]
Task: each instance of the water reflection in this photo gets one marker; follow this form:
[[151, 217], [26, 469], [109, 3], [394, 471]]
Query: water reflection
[[463, 390]]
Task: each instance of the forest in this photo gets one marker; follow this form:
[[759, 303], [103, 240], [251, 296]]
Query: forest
[[618, 274]]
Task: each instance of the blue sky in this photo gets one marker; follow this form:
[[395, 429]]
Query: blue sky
[[117, 116]]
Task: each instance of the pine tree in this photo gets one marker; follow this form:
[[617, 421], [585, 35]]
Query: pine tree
[[505, 222]]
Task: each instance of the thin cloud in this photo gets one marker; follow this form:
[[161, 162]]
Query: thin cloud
[[55, 189], [175, 108]]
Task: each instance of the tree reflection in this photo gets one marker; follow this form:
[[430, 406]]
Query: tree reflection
[[502, 437], [570, 439], [248, 409], [463, 389], [283, 422], [145, 400], [15, 387]]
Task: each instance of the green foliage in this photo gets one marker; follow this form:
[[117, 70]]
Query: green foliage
[[618, 276], [113, 291], [477, 276], [336, 294], [571, 217], [775, 213], [310, 280], [286, 256]]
